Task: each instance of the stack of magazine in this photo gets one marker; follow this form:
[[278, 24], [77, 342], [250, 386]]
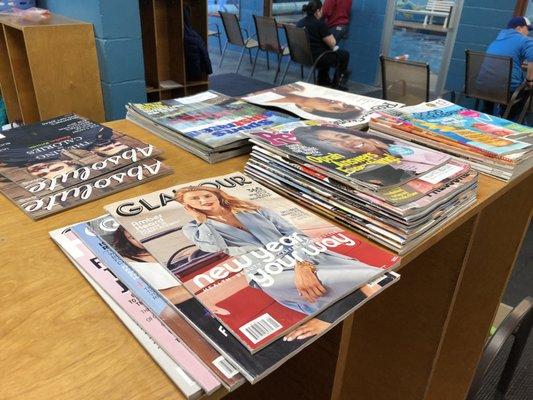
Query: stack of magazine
[[314, 102], [60, 163], [492, 145], [222, 279], [390, 190], [209, 125]]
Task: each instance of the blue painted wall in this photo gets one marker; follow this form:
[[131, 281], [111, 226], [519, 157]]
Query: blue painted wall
[[481, 20], [118, 43]]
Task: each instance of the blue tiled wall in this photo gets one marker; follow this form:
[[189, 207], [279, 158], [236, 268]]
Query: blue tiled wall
[[481, 20], [118, 43]]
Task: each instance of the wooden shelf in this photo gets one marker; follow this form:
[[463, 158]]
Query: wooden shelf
[[162, 37], [49, 69]]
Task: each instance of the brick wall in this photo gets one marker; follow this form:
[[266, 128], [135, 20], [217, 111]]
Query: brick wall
[[118, 43]]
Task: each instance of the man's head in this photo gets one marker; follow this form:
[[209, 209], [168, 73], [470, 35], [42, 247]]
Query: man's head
[[520, 24]]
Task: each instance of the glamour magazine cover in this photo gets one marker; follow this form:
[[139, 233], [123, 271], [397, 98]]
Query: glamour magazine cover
[[260, 263]]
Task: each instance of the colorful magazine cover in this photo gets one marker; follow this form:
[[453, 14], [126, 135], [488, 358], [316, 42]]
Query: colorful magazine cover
[[156, 303], [310, 101], [142, 268], [121, 298], [52, 155], [209, 117], [368, 159], [231, 241], [470, 128]]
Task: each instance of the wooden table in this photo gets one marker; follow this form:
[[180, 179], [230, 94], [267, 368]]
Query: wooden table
[[420, 339]]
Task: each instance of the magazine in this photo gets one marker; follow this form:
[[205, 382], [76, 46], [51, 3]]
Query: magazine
[[158, 305], [359, 159], [310, 101], [253, 366], [131, 175], [459, 127], [166, 350], [52, 155], [210, 118], [255, 245]]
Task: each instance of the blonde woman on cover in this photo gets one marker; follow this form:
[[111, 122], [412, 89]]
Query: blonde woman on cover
[[222, 222]]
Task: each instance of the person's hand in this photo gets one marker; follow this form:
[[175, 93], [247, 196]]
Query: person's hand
[[307, 283], [219, 310], [310, 328], [197, 215]]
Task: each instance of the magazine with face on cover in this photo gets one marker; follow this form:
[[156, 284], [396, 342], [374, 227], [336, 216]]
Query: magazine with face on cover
[[169, 352], [38, 207], [210, 118], [55, 154], [368, 160], [310, 101], [227, 237], [459, 127], [253, 366], [157, 304]]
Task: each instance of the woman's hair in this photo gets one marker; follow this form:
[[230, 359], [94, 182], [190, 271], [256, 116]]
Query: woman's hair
[[307, 135], [312, 7], [231, 203], [126, 248], [343, 115]]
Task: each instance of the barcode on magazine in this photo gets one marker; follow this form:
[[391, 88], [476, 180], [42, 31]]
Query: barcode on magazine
[[225, 367], [259, 328]]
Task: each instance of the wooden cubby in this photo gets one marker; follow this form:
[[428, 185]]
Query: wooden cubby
[[162, 29], [49, 68]]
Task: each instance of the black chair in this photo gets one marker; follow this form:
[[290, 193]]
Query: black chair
[[216, 33], [516, 325], [268, 39], [300, 52], [233, 30], [404, 81], [488, 78]]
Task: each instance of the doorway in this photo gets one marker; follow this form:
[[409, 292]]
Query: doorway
[[423, 31]]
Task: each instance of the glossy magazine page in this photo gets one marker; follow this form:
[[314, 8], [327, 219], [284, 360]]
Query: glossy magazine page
[[310, 101], [210, 118], [459, 127], [52, 155], [259, 262], [360, 159], [164, 348], [254, 366]]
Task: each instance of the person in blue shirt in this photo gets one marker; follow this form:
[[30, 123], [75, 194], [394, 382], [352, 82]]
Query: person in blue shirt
[[514, 42]]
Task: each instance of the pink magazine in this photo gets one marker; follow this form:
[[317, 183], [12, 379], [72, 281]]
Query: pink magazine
[[136, 310]]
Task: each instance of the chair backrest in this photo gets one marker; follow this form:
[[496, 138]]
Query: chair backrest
[[232, 27], [488, 77], [404, 81], [439, 5], [267, 33], [299, 46]]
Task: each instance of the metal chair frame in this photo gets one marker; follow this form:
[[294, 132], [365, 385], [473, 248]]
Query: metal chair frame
[[385, 87], [248, 43], [518, 323], [512, 98], [280, 51], [216, 32], [313, 65]]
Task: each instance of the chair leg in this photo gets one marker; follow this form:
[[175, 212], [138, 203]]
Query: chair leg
[[523, 113], [240, 60], [285, 72], [301, 71], [250, 55], [219, 43], [310, 74], [268, 61], [278, 68], [223, 54], [255, 62]]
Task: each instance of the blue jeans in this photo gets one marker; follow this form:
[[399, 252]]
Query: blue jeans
[[339, 32]]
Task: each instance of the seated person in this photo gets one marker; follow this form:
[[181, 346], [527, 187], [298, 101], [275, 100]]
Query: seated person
[[514, 42], [322, 40]]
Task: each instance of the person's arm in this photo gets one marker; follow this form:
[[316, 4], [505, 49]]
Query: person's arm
[[528, 58], [529, 77], [326, 36]]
